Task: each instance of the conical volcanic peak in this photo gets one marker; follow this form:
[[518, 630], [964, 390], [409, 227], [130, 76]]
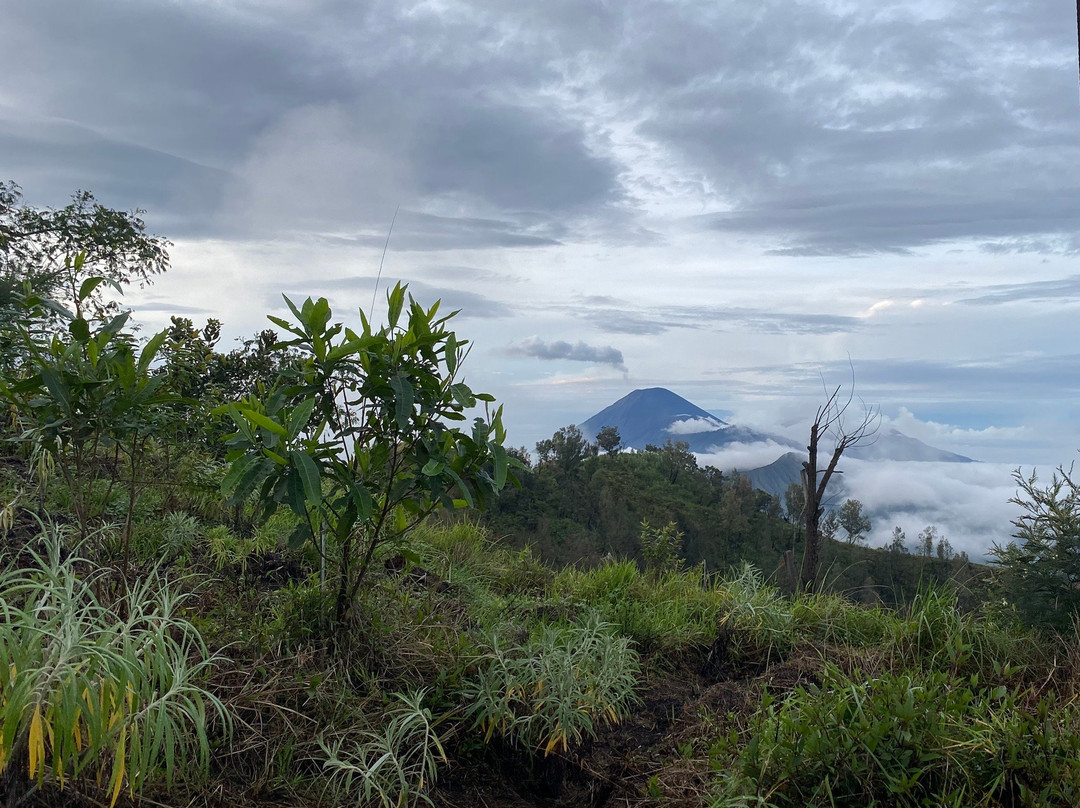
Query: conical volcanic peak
[[656, 415]]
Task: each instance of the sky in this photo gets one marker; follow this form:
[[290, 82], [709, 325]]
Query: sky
[[745, 202]]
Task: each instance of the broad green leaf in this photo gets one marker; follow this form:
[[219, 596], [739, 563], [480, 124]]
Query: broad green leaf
[[301, 533], [235, 472], [463, 395], [295, 488], [309, 475], [395, 299], [267, 423], [113, 327], [461, 486], [362, 501], [56, 387], [299, 417], [451, 354], [80, 329], [432, 468], [150, 351], [499, 454], [278, 459], [403, 401], [88, 287], [59, 308], [249, 479]]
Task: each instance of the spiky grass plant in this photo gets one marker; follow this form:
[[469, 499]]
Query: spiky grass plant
[[558, 689], [394, 766], [913, 739], [94, 693], [667, 611]]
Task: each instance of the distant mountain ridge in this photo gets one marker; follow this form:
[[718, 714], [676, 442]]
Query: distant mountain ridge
[[656, 415], [891, 444]]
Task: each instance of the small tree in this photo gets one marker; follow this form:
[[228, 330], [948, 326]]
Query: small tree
[[898, 543], [39, 247], [676, 458], [566, 449], [927, 540], [661, 546], [608, 439], [829, 525], [945, 550], [356, 440], [86, 398], [794, 502], [854, 521], [1039, 573]]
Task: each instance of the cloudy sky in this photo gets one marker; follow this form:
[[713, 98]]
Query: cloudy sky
[[731, 199]]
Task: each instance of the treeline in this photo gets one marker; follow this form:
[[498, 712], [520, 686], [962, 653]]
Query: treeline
[[579, 505]]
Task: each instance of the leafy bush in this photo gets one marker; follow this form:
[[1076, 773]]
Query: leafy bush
[[166, 538], [661, 546], [908, 739], [89, 688], [557, 689]]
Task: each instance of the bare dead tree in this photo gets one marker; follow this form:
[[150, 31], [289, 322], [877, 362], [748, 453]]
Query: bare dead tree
[[829, 420]]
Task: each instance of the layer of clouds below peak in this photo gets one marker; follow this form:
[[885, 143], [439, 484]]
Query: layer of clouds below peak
[[742, 456], [967, 502]]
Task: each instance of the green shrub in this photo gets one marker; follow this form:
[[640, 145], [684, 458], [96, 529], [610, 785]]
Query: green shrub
[[661, 546], [908, 739], [557, 689], [664, 612]]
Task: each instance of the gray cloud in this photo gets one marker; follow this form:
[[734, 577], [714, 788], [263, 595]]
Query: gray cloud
[[819, 129], [656, 320], [1059, 289], [579, 352], [169, 308], [359, 289], [1018, 376]]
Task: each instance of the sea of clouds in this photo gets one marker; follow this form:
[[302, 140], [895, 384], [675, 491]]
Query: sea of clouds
[[968, 503]]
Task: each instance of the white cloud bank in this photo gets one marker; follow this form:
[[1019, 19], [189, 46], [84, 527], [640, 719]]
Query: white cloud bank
[[742, 456], [694, 426], [967, 502]]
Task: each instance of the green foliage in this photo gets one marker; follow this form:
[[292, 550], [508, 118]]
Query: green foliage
[[165, 539], [566, 450], [665, 612], [1039, 574], [908, 739], [39, 247], [85, 398], [96, 692], [661, 546], [854, 521], [609, 440], [393, 766], [355, 440], [557, 689]]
